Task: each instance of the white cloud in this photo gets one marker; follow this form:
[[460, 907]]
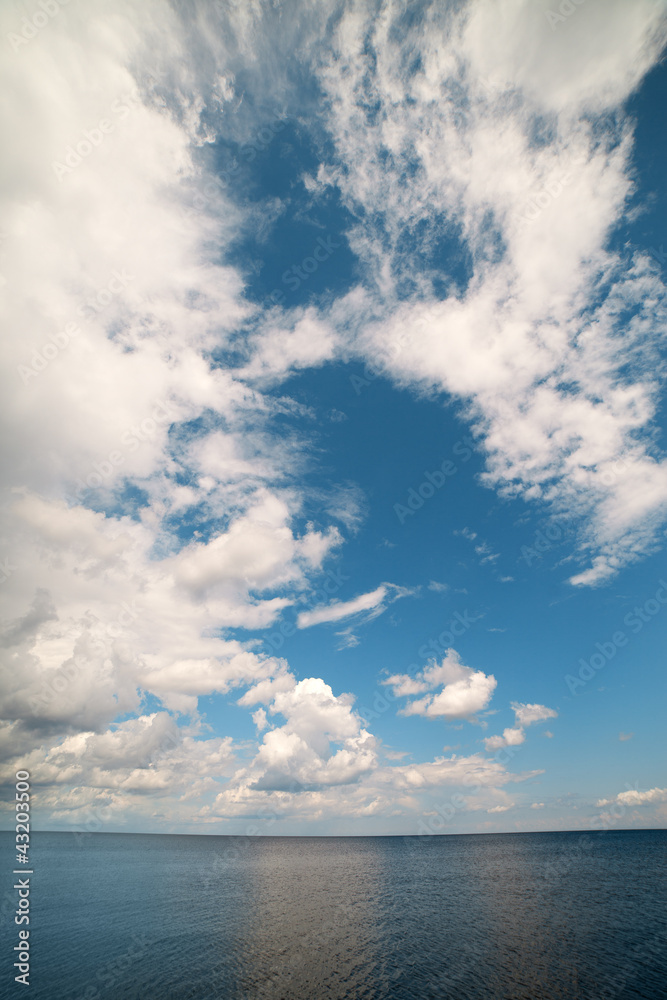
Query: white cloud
[[531, 342], [634, 797], [374, 602], [322, 762], [527, 715], [300, 753], [511, 737], [115, 278], [111, 619], [463, 693], [260, 719], [128, 771], [524, 715], [115, 273]]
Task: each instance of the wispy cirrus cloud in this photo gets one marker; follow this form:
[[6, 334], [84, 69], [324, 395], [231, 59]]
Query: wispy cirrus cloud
[[370, 605], [527, 333]]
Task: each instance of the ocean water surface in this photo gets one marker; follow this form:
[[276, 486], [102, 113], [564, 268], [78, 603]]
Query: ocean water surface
[[520, 916]]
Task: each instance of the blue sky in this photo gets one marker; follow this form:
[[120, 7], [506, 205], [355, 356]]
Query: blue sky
[[335, 491]]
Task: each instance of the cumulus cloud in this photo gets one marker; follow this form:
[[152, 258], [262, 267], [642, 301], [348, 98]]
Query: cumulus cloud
[[527, 715], [127, 771], [383, 791], [322, 761], [463, 691], [321, 744], [524, 716], [152, 506], [634, 797], [125, 427]]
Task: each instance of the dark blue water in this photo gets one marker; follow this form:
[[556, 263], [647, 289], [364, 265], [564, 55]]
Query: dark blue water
[[548, 915]]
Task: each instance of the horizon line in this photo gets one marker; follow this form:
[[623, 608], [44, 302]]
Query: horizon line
[[344, 836]]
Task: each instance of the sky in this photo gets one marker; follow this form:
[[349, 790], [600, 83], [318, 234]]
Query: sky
[[334, 486]]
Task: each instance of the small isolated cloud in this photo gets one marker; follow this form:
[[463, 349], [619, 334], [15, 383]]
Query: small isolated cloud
[[537, 805], [346, 503], [500, 809], [625, 736], [524, 716], [348, 639], [486, 554], [371, 605], [512, 737], [439, 588], [482, 548], [466, 533], [462, 691], [633, 797], [549, 735]]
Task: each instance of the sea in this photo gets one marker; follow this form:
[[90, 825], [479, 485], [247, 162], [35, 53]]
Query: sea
[[522, 916]]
